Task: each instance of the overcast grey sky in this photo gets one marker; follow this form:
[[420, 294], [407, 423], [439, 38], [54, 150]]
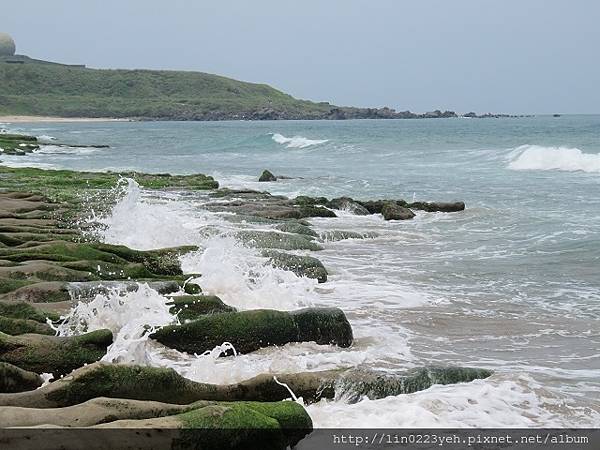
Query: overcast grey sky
[[514, 56]]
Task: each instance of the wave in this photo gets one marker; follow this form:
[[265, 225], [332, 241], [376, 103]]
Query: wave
[[537, 157], [296, 141]]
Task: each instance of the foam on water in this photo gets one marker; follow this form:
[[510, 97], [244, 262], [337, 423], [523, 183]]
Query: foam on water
[[537, 157], [296, 141], [501, 401]]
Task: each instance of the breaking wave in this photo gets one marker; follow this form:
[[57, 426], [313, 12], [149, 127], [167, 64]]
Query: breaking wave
[[296, 141], [537, 157]]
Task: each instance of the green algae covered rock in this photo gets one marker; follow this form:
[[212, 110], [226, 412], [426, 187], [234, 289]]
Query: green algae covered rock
[[190, 307], [15, 379], [250, 330], [53, 354], [303, 266], [273, 239]]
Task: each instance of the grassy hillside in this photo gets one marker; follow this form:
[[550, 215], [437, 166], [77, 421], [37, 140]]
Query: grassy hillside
[[38, 89]]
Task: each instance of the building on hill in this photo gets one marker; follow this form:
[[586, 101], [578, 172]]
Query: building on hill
[[8, 50]]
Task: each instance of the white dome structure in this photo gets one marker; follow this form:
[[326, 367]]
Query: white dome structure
[[7, 45]]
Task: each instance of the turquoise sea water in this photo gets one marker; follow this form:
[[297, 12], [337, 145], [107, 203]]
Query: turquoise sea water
[[512, 283]]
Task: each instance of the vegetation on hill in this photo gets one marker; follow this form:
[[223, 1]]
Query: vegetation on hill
[[70, 91], [39, 89]]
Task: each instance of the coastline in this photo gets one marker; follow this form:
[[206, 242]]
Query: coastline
[[40, 119]]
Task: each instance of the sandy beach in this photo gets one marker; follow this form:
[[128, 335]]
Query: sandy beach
[[30, 119]]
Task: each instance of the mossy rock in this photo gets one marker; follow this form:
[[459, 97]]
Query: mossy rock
[[53, 354], [303, 266], [340, 235], [15, 327], [14, 379], [190, 307], [296, 228], [273, 239], [250, 330]]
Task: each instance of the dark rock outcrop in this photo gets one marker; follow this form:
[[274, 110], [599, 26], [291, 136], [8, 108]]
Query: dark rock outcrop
[[251, 330], [267, 176], [393, 211]]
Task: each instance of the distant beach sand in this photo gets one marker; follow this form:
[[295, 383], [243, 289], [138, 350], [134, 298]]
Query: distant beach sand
[[23, 119]]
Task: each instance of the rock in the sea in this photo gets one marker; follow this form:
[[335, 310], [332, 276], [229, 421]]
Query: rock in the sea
[[303, 266], [267, 176], [393, 211], [348, 204], [274, 239], [15, 379], [296, 228], [251, 330], [53, 354], [190, 307], [165, 385], [438, 206]]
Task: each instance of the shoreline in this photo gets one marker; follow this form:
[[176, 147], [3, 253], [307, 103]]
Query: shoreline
[[40, 119]]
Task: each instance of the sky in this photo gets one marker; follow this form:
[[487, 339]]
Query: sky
[[509, 56]]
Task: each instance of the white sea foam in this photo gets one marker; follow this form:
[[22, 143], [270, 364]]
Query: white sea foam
[[296, 141], [45, 138], [144, 224], [536, 157], [131, 317], [498, 402], [65, 150]]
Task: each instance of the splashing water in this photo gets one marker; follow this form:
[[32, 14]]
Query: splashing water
[[145, 224], [131, 317], [536, 157], [296, 141]]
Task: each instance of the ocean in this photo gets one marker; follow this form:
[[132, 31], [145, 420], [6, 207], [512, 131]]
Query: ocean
[[512, 283]]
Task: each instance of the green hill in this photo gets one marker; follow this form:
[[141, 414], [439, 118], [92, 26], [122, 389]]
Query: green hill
[[39, 88], [55, 90]]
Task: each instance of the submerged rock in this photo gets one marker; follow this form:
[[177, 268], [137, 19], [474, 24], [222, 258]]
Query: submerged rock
[[251, 330], [165, 385], [348, 204], [52, 354], [303, 266], [393, 211], [267, 176], [89, 289], [15, 379]]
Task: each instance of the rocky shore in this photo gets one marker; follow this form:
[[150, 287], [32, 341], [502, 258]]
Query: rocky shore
[[48, 264]]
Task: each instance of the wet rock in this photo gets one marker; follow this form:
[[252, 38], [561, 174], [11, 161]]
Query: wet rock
[[192, 288], [15, 379], [190, 307], [276, 240], [296, 228], [348, 204], [15, 327], [393, 211], [89, 289], [438, 206], [41, 292], [303, 266], [125, 413], [251, 330], [304, 200], [165, 385], [53, 354], [267, 176], [315, 211]]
